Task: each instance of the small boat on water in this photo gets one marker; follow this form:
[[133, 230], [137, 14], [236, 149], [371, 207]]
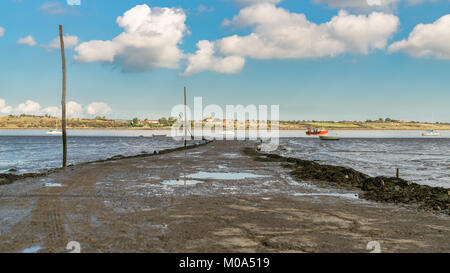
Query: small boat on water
[[316, 132], [155, 135], [54, 132], [430, 133], [228, 133], [329, 138]]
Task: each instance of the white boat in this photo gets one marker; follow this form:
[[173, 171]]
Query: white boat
[[228, 133], [430, 133], [54, 132]]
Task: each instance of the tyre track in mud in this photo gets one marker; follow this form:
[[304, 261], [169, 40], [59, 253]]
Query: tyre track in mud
[[55, 235]]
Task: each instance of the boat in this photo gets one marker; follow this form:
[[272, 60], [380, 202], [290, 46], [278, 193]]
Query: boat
[[155, 135], [430, 133], [228, 133], [54, 132], [316, 132], [329, 137]]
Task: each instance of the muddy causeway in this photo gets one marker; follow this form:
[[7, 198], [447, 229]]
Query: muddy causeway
[[213, 198]]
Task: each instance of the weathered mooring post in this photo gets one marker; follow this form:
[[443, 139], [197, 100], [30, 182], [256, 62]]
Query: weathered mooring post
[[185, 119], [63, 100]]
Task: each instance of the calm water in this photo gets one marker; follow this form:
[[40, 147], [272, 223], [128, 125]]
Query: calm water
[[420, 159]]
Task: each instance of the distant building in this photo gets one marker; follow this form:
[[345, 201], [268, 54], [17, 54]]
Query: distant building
[[149, 121]]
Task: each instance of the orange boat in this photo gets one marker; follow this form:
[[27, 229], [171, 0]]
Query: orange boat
[[316, 132]]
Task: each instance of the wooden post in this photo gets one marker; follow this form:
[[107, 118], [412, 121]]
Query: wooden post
[[63, 100], [398, 173], [185, 119]]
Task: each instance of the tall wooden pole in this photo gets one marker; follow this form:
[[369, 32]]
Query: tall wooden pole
[[185, 119], [63, 100]]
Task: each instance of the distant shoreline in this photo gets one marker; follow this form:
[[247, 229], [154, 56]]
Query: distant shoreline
[[168, 129], [48, 123]]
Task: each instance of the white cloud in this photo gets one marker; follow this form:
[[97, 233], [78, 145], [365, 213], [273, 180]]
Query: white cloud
[[29, 41], [53, 8], [367, 4], [74, 2], [76, 110], [4, 109], [427, 40], [73, 109], [52, 111], [252, 2], [70, 41], [29, 108], [98, 108], [97, 51], [205, 59], [280, 34], [204, 9], [150, 40], [2, 31]]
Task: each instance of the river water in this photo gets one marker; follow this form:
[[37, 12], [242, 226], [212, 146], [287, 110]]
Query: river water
[[424, 160]]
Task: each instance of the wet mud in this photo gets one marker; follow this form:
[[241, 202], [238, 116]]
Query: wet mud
[[205, 200], [380, 189]]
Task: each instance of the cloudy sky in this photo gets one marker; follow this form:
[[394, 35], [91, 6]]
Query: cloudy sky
[[317, 59]]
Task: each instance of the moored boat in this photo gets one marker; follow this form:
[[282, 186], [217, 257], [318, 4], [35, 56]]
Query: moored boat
[[54, 132], [228, 133], [430, 133], [316, 132]]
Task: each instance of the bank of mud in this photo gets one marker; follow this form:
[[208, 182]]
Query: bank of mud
[[380, 189]]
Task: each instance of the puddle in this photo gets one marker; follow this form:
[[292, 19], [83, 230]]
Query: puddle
[[33, 249], [160, 226], [94, 221], [293, 182], [53, 185], [230, 155], [343, 195], [224, 176], [188, 182]]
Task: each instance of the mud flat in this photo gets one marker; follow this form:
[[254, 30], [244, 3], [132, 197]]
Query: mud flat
[[381, 188], [212, 198]]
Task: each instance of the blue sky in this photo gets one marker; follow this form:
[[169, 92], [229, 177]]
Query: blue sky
[[389, 67]]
